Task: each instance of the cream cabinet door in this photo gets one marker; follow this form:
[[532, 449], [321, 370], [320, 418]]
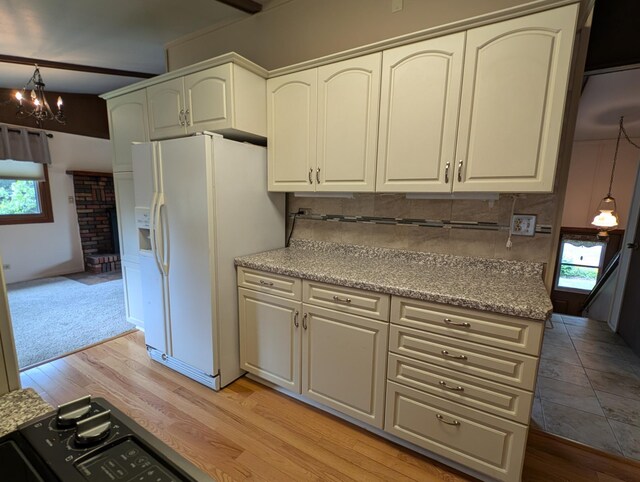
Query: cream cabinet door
[[125, 209], [292, 107], [208, 99], [166, 109], [348, 108], [270, 329], [419, 115], [128, 122], [513, 98], [344, 362]]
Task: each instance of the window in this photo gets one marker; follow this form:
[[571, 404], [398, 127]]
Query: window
[[580, 263], [25, 201]]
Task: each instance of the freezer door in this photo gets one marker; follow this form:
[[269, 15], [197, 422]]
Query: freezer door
[[156, 332], [185, 219]]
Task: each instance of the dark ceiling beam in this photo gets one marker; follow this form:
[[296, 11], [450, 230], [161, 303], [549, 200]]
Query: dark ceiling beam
[[247, 6], [12, 59]]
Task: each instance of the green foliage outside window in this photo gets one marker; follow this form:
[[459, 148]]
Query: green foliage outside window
[[18, 197], [568, 271]]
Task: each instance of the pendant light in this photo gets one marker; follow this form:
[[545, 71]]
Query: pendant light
[[606, 219]]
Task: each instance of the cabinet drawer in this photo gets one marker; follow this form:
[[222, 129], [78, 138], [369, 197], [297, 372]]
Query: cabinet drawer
[[503, 366], [348, 300], [271, 283], [488, 444], [491, 397], [492, 329]]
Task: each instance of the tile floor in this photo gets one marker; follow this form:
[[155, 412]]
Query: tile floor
[[589, 386]]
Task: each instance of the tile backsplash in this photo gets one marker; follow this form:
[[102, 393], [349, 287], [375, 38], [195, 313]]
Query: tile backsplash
[[444, 240]]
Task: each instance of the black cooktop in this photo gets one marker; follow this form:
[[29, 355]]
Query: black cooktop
[[90, 440]]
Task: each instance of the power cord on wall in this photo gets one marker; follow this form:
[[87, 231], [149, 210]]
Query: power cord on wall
[[513, 210], [293, 225]]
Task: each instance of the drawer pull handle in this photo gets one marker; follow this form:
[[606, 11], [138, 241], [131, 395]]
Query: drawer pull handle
[[453, 323], [443, 384], [304, 321], [266, 283], [341, 300], [295, 319], [456, 357], [441, 418]]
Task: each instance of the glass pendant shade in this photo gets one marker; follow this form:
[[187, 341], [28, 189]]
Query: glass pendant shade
[[607, 217]]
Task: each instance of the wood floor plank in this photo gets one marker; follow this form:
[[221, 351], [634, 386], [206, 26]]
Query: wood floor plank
[[250, 432]]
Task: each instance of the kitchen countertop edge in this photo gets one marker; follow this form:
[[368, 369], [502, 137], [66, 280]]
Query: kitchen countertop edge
[[536, 308]]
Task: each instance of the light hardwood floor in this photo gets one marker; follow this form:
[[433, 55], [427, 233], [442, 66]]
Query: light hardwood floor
[[248, 431]]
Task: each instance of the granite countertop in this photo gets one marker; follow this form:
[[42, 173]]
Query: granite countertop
[[508, 287], [20, 406]]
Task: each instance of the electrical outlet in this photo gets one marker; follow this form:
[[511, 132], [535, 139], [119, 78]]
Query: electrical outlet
[[523, 225], [396, 5], [6, 266]]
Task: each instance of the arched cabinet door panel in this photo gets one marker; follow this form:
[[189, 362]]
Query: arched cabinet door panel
[[291, 131], [514, 87], [419, 115], [348, 108]]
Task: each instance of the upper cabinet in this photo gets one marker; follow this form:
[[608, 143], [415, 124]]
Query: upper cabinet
[[226, 98], [323, 127], [514, 87], [419, 115], [292, 111], [127, 124], [480, 110]]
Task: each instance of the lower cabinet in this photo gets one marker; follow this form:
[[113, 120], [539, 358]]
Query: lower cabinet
[[334, 358], [453, 381], [270, 337], [491, 445]]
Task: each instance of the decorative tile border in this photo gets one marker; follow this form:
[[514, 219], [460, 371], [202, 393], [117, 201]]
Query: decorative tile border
[[429, 223]]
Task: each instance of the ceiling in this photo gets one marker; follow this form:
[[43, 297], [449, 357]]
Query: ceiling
[[604, 99], [131, 34], [119, 34]]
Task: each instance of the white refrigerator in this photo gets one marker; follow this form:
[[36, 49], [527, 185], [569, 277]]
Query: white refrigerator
[[199, 202]]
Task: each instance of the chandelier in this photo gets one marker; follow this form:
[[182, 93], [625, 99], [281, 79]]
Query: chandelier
[[35, 104]]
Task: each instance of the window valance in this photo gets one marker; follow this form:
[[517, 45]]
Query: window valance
[[20, 144]]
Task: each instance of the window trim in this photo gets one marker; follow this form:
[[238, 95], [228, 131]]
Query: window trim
[[44, 195], [600, 267]]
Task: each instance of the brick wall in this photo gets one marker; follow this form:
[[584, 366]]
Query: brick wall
[[95, 196]]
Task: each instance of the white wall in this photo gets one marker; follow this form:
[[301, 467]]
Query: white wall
[[291, 31], [49, 249], [589, 174]]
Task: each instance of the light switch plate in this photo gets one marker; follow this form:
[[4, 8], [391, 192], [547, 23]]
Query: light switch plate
[[523, 225]]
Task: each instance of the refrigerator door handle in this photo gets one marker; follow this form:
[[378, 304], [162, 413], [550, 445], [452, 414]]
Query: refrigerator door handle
[[164, 234], [158, 234]]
